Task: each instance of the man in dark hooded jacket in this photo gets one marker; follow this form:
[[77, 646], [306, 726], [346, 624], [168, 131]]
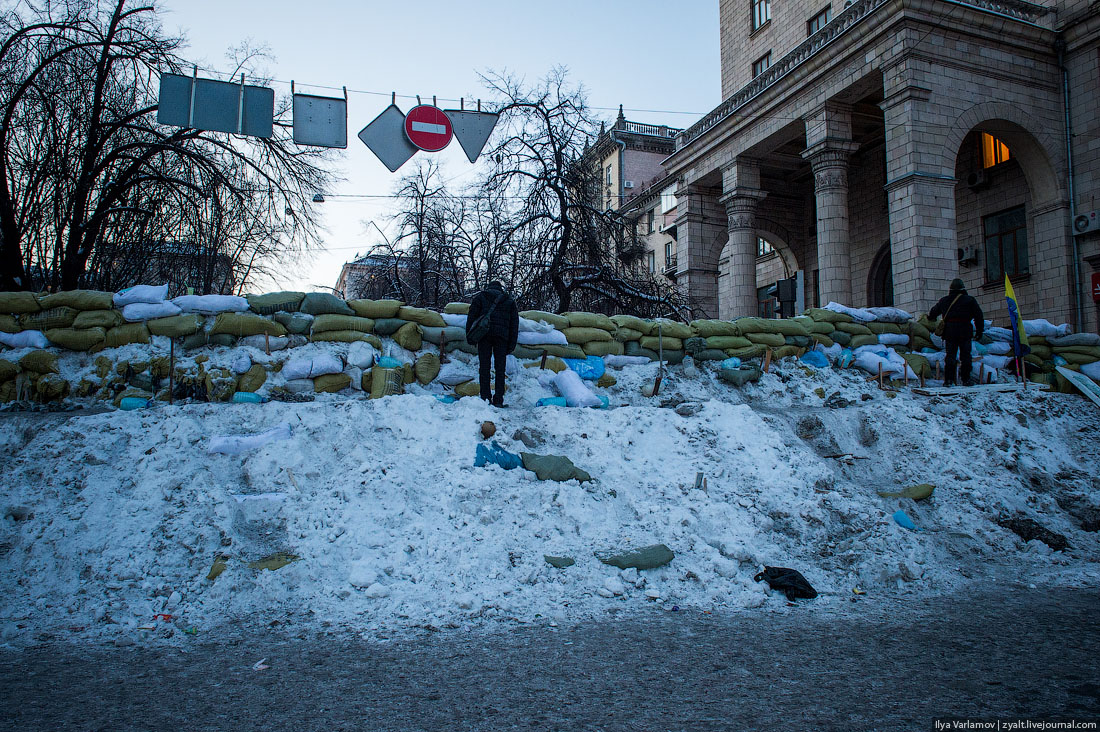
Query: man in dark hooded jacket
[[499, 341], [959, 310]]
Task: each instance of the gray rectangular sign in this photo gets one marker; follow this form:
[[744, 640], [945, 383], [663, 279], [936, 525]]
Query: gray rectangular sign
[[320, 121], [219, 106]]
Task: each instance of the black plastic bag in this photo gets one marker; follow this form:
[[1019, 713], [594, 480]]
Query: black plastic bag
[[788, 581]]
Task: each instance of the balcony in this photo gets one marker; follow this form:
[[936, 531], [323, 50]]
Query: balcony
[[670, 266]]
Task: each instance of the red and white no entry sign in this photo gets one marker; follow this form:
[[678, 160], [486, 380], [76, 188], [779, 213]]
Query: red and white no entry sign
[[428, 128]]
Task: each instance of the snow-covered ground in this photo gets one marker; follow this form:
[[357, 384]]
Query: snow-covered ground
[[116, 517]]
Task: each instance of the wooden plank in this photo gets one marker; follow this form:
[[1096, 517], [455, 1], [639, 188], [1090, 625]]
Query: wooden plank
[[1084, 384], [976, 388]]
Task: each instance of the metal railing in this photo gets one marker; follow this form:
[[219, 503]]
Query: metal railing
[[644, 129]]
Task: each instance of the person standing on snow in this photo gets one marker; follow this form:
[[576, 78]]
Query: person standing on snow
[[959, 310], [493, 326]]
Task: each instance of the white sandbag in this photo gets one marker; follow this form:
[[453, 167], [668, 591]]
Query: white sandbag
[[1091, 370], [996, 362], [25, 339], [512, 366], [308, 367], [356, 375], [242, 362], [893, 339], [858, 314], [139, 311], [618, 362], [1089, 340], [211, 304], [533, 326], [456, 320], [999, 348], [361, 355], [1041, 327], [832, 352], [889, 315], [275, 343], [998, 334], [542, 338], [454, 373], [299, 386], [236, 444], [576, 393], [140, 293]]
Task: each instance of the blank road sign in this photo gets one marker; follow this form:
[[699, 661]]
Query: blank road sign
[[428, 128], [472, 129], [219, 106], [386, 138], [320, 121]]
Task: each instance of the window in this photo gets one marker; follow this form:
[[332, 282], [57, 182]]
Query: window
[[1005, 244], [761, 13], [649, 221], [767, 303], [816, 23], [668, 200], [993, 151], [760, 64], [763, 246], [608, 175], [670, 253], [651, 260]]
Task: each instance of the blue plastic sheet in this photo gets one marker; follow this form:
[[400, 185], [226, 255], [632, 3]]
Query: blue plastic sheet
[[445, 398], [247, 397], [846, 358], [558, 401], [816, 359], [129, 403], [494, 454], [592, 367], [902, 519], [389, 362], [733, 362]]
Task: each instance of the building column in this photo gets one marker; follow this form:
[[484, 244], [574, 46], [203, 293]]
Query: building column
[[699, 233], [738, 295], [829, 159]]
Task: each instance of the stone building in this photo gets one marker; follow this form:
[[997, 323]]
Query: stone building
[[884, 147]]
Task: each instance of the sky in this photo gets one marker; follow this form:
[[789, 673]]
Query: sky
[[658, 59]]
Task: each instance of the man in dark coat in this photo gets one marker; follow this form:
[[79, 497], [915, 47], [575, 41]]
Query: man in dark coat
[[959, 310], [499, 341]]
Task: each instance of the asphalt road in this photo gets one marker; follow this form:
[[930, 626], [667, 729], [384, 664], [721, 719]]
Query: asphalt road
[[887, 663]]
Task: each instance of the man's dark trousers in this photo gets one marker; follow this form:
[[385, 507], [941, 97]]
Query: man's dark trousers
[[962, 348], [497, 348]]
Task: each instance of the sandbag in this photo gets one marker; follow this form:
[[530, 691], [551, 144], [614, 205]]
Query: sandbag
[[245, 324], [83, 339], [570, 351], [753, 351], [210, 304], [827, 316], [541, 338], [603, 348], [800, 341], [59, 317], [1088, 340], [862, 340], [622, 335], [18, 303], [40, 362], [633, 323], [710, 354], [385, 382], [346, 336], [331, 383], [51, 387], [449, 334], [78, 300], [297, 323], [457, 308], [310, 367], [553, 467], [823, 340], [426, 368], [785, 327], [422, 316], [123, 335], [329, 321], [410, 337], [655, 343], [97, 319], [634, 348], [879, 328], [177, 326], [893, 339], [140, 294], [9, 324], [576, 393], [456, 320], [590, 320], [853, 328], [775, 340], [919, 364], [253, 379], [321, 303], [590, 368], [786, 352], [842, 338], [389, 326], [813, 326], [671, 329], [580, 335], [275, 302], [8, 370], [375, 309], [1074, 357], [558, 321], [741, 376], [140, 311], [715, 328]]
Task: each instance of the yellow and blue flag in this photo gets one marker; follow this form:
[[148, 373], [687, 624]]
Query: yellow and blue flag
[[1019, 335]]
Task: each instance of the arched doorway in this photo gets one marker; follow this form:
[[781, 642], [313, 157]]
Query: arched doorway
[[880, 283]]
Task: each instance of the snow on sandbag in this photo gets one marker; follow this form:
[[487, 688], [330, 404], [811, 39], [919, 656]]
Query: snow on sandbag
[[275, 343], [542, 338], [242, 362], [25, 339], [1091, 370], [889, 315], [512, 366], [591, 367], [1000, 335], [576, 393], [1041, 327], [893, 339], [211, 304], [140, 293], [361, 355], [618, 362], [999, 348], [457, 320], [299, 386], [140, 311], [308, 367], [236, 444], [533, 326], [454, 373], [356, 375], [858, 314]]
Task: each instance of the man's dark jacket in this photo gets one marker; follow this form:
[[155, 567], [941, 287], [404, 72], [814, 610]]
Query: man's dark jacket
[[504, 321], [957, 322]]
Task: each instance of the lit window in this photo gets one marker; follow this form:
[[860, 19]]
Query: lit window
[[763, 246], [819, 21], [1005, 244], [760, 64], [993, 151], [761, 12]]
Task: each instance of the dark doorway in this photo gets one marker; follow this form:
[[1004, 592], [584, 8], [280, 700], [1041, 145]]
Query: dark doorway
[[881, 286]]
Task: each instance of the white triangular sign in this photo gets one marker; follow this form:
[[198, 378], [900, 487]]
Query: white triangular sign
[[472, 129], [385, 136]]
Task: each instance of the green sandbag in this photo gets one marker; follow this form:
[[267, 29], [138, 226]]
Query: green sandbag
[[7, 391], [223, 340], [590, 320], [916, 492], [98, 319], [715, 328], [710, 354], [646, 557], [622, 335], [919, 364], [409, 336], [78, 300], [253, 379], [51, 387], [320, 303], [1046, 353], [918, 330], [245, 324], [8, 370], [464, 347], [841, 337], [800, 341], [426, 368], [389, 326], [450, 333], [753, 351], [18, 303], [581, 335], [558, 321], [422, 316], [1093, 351], [408, 375], [570, 351], [40, 362], [384, 382], [787, 352], [775, 340], [666, 343], [606, 381], [671, 329], [275, 302], [59, 317], [520, 352], [468, 389], [8, 324], [457, 308], [375, 309], [634, 348], [297, 323], [813, 326], [823, 340], [603, 348], [880, 328], [853, 328], [828, 316], [741, 376], [124, 335], [176, 326], [553, 363], [785, 327], [346, 336], [329, 321], [919, 344], [553, 467], [633, 323], [83, 339], [862, 340], [1072, 357], [331, 383], [694, 345]]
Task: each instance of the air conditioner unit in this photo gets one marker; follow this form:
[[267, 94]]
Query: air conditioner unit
[[1086, 223], [977, 180], [628, 184], [968, 255]]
